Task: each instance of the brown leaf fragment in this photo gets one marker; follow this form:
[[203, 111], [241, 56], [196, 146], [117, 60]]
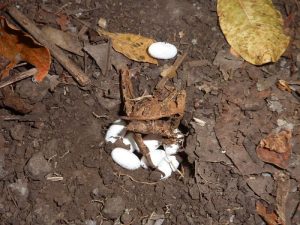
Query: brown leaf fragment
[[160, 127], [271, 218], [64, 40], [283, 188], [276, 148], [163, 103], [131, 45], [17, 46]]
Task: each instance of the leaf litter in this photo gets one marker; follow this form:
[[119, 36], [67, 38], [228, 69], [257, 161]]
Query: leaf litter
[[169, 107]]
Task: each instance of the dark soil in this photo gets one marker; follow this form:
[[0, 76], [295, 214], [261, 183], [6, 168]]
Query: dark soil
[[55, 167]]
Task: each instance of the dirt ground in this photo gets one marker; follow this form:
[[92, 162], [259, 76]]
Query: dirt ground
[[55, 167]]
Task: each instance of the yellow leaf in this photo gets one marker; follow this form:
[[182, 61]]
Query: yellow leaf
[[253, 28], [131, 45]]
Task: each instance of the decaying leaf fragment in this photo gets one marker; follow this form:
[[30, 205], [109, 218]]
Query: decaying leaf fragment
[[276, 148], [17, 46], [131, 45], [270, 217], [163, 103], [159, 113], [159, 127], [253, 29]]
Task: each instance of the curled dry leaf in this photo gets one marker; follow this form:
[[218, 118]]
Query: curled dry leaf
[[132, 46], [271, 218], [17, 46], [276, 148], [254, 29]]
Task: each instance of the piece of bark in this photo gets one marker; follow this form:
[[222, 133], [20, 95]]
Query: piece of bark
[[159, 127], [67, 63]]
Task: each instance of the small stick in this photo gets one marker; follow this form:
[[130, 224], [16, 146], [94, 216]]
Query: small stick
[[67, 63], [18, 77], [171, 72], [143, 148], [131, 178]]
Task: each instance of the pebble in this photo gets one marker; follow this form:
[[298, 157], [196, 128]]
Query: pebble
[[20, 188], [126, 218], [17, 132], [37, 167], [113, 207], [30, 90], [162, 50]]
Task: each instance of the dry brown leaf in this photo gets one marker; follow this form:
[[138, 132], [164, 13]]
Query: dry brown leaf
[[271, 218], [64, 40], [283, 188], [17, 46], [276, 148], [254, 29], [132, 46]]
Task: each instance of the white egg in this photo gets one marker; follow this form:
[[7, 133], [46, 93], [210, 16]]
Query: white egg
[[156, 156], [129, 140], [125, 159], [171, 149], [167, 166], [115, 131], [152, 141], [173, 162], [162, 50]]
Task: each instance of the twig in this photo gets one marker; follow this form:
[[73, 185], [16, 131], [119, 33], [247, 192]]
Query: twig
[[67, 63], [27, 118], [141, 182], [171, 71], [143, 148], [18, 77], [107, 58]]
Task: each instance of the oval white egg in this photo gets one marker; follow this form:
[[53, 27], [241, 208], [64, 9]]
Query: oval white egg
[[156, 156], [171, 149], [152, 141], [167, 166], [115, 131], [125, 159], [173, 162], [162, 50], [129, 140]]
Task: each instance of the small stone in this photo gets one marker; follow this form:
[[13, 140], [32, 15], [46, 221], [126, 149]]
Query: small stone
[[126, 218], [20, 192], [19, 188], [17, 132], [107, 223], [194, 192], [90, 222], [32, 91], [37, 167], [90, 102], [113, 207]]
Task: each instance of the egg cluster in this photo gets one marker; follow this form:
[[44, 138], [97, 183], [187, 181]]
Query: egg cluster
[[162, 155]]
